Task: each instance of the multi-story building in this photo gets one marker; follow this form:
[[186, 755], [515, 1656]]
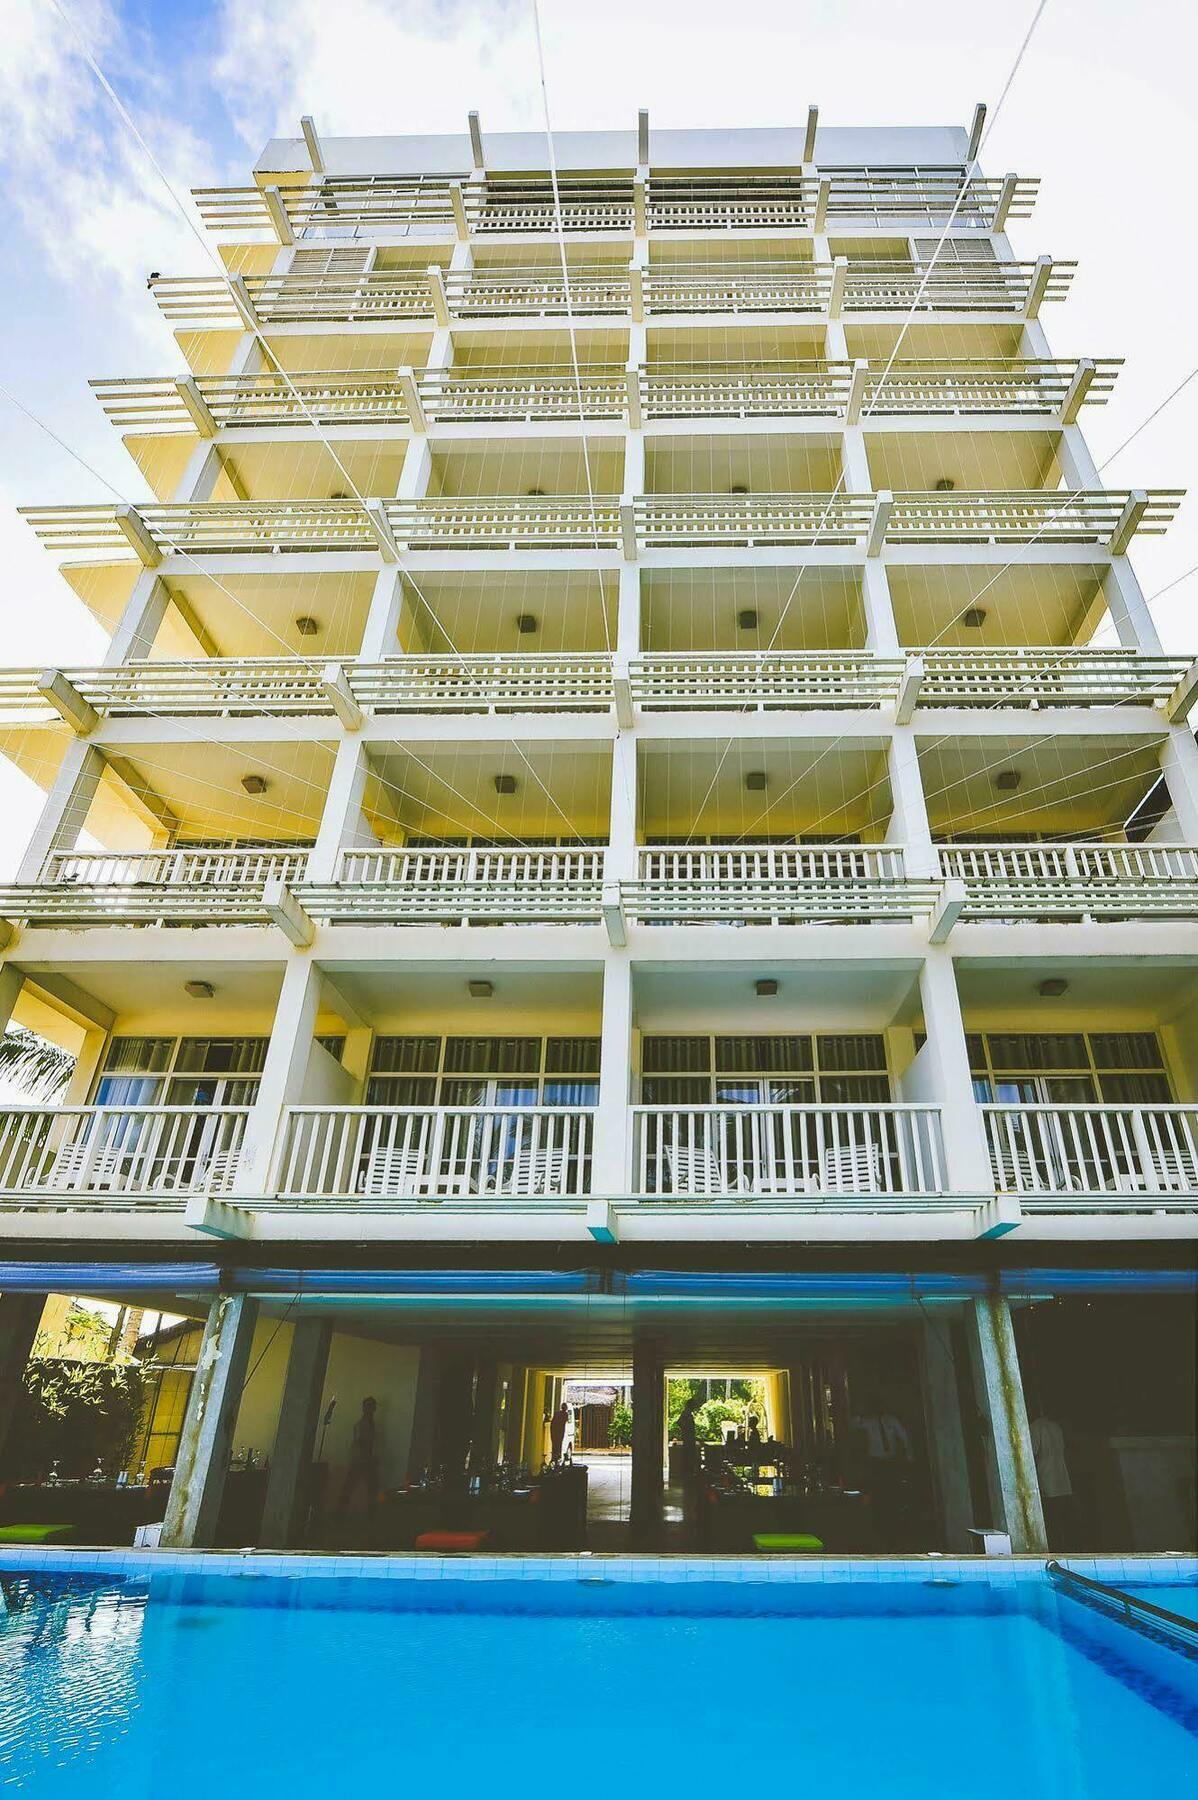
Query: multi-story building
[[612, 833]]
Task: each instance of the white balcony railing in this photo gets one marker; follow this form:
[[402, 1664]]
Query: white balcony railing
[[392, 206], [775, 884], [1047, 677], [386, 1156], [827, 1155], [1057, 1156], [543, 682], [1101, 881], [154, 887], [380, 298], [462, 887], [77, 1156], [763, 681]]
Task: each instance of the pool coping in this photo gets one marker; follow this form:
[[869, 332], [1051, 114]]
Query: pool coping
[[1145, 1569]]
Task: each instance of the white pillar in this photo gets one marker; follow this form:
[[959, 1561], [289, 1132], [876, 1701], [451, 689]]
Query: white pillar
[[945, 1080], [620, 862], [343, 824], [908, 808], [282, 1081], [66, 808], [202, 1463], [611, 1160], [1128, 609], [1179, 766], [1010, 1462]]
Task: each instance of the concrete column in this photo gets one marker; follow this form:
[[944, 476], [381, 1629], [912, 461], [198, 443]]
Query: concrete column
[[648, 1426], [202, 1462], [513, 1416], [485, 1422], [620, 861], [140, 622], [343, 824], [380, 636], [11, 983], [1128, 609], [289, 1489], [940, 1075], [286, 1064], [1179, 766], [424, 1410], [946, 1438], [87, 1066], [881, 630], [66, 808], [628, 613], [1010, 1462], [611, 1160], [908, 809], [20, 1316]]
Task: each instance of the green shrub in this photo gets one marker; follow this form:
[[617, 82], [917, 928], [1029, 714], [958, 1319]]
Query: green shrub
[[75, 1415]]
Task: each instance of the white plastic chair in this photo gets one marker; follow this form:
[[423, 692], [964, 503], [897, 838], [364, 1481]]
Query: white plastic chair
[[532, 1171], [850, 1169], [696, 1171], [393, 1172], [84, 1165]]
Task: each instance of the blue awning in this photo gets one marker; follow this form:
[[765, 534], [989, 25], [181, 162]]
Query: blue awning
[[420, 1283], [107, 1277]]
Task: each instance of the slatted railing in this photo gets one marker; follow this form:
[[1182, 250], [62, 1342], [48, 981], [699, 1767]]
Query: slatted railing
[[873, 1157], [1101, 881], [774, 884], [381, 1157], [538, 293], [461, 887], [1048, 677], [155, 887], [763, 681], [378, 297], [517, 395], [337, 206], [1057, 1157], [498, 684], [868, 287], [576, 521], [86, 1156]]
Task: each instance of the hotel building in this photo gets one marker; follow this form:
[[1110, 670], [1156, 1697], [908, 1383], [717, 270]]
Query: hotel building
[[634, 819]]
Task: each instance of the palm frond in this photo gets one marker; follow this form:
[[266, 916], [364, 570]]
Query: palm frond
[[39, 1068]]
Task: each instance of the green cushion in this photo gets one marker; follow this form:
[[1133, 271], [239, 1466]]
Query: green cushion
[[786, 1540], [33, 1534]]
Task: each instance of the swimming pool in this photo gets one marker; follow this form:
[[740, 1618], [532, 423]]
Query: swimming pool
[[281, 1684]]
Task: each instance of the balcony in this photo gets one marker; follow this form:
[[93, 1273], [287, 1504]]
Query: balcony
[[462, 887], [387, 298], [153, 887], [1095, 1158], [387, 1157], [70, 1158], [799, 389], [882, 1157], [1075, 880], [772, 884], [387, 206], [763, 681]]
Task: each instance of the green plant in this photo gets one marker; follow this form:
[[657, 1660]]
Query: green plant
[[39, 1068], [74, 1415], [619, 1426]]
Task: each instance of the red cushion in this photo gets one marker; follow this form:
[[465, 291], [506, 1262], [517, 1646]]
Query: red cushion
[[452, 1540]]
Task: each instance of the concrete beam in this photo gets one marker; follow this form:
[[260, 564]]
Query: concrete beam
[[876, 536], [642, 138], [289, 1488], [840, 270], [131, 523], [613, 915], [80, 1007], [198, 410], [413, 404], [823, 196], [602, 1222], [622, 694], [809, 134], [1038, 287], [278, 215], [440, 300], [461, 223], [632, 377], [315, 153], [640, 206], [154, 809], [476, 140], [336, 690], [218, 1218], [910, 683], [202, 1460], [636, 292], [1015, 1502], [376, 515], [61, 693], [856, 394], [243, 303], [1128, 522], [284, 910], [976, 128], [994, 1218], [950, 903], [1181, 700], [1079, 386], [1004, 203]]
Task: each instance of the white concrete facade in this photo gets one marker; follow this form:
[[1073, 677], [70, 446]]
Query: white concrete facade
[[607, 641]]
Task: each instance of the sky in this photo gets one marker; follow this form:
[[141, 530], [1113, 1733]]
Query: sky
[[1101, 108]]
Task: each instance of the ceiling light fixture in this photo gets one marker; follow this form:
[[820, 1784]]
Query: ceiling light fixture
[[254, 784], [747, 620], [974, 616], [480, 990], [755, 781], [199, 990], [1007, 780], [765, 990], [505, 784], [1052, 988], [526, 623], [306, 625]]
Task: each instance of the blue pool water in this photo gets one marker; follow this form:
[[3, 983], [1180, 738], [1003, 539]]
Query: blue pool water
[[1175, 1596], [897, 1690]]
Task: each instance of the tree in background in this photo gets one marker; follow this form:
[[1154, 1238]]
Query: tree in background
[[73, 1416], [619, 1426], [33, 1064], [722, 1399]]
